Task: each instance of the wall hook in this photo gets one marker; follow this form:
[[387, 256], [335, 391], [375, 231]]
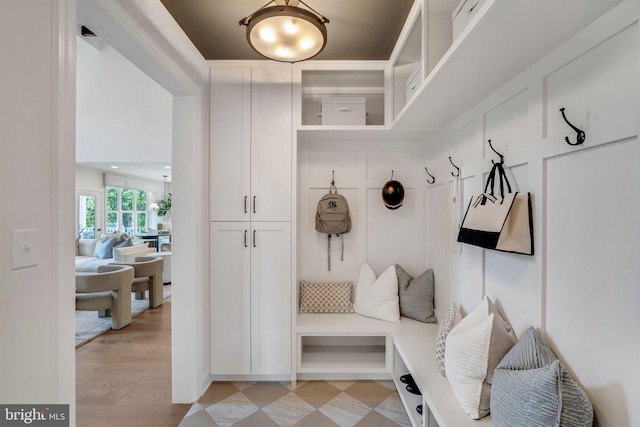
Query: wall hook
[[457, 174], [494, 150], [433, 178], [581, 135], [391, 176], [333, 182]]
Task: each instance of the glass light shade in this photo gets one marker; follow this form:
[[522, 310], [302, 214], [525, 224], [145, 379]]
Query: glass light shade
[[286, 33]]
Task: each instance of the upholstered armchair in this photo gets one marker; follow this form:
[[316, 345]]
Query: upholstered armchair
[[147, 277], [107, 291]]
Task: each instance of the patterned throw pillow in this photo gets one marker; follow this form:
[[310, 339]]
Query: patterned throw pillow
[[325, 297], [448, 321], [416, 295], [474, 347], [531, 387]]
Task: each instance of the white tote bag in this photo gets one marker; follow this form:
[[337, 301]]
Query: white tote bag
[[502, 222]]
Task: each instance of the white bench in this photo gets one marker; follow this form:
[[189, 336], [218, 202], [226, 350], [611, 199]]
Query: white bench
[[354, 346]]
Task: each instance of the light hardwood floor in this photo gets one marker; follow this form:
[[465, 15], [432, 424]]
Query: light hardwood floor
[[123, 378]]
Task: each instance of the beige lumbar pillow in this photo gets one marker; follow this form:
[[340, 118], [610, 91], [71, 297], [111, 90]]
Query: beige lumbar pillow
[[474, 347]]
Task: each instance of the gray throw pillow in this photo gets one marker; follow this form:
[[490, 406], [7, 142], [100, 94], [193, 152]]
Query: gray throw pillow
[[416, 295], [531, 387], [123, 243]]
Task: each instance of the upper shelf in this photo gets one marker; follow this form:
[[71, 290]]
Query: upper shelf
[[503, 39]]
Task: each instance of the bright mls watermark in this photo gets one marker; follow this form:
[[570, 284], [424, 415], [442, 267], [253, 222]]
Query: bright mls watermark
[[34, 415]]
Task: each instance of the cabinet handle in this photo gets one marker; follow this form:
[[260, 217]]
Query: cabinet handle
[[254, 204], [245, 204], [254, 238], [245, 238]]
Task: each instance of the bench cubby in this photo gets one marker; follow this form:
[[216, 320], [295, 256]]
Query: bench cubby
[[333, 346]]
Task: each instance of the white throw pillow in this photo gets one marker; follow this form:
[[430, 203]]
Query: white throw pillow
[[378, 298], [474, 347], [86, 247], [128, 253]]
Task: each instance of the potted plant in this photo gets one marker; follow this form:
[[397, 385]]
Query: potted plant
[[164, 206]]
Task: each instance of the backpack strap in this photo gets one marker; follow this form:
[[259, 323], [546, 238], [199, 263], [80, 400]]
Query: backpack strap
[[342, 253], [329, 252]]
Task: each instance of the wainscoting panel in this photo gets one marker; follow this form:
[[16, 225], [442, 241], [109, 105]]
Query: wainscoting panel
[[464, 147], [323, 163], [592, 270], [582, 286], [317, 242], [379, 236], [509, 277], [599, 90], [503, 125], [381, 163], [438, 246], [391, 234], [467, 267]]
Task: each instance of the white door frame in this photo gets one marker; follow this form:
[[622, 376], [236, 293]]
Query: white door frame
[[99, 213], [144, 33]]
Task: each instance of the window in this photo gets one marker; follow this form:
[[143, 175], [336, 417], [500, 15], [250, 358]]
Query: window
[[126, 210]]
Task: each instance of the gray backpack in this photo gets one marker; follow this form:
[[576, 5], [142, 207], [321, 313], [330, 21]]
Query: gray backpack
[[332, 217]]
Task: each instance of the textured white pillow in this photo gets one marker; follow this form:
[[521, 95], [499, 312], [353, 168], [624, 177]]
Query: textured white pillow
[[474, 347], [378, 298], [450, 319]]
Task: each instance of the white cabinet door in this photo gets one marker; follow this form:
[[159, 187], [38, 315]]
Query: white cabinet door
[[271, 298], [230, 298], [271, 144], [230, 156]]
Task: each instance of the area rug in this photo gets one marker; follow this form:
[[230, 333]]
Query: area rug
[[89, 325]]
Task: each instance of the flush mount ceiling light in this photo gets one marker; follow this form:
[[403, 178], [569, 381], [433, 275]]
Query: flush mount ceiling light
[[286, 32]]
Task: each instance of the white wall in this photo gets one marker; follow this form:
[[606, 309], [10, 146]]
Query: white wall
[[122, 114], [581, 287], [37, 361], [379, 236]]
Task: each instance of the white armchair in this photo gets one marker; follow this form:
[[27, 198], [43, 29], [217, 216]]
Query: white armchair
[[107, 291]]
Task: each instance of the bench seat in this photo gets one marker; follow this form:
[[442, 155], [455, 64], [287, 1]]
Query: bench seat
[[414, 343]]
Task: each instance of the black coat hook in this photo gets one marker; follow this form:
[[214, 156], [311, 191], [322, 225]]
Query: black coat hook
[[433, 178], [494, 150], [457, 174], [333, 177], [581, 135]]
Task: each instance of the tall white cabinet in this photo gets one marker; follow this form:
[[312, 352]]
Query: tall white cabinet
[[250, 213], [250, 144]]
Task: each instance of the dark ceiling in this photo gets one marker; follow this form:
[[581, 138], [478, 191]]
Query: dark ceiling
[[358, 29]]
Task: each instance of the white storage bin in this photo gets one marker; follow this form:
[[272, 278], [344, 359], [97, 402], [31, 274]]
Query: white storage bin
[[344, 111], [413, 82], [463, 14]]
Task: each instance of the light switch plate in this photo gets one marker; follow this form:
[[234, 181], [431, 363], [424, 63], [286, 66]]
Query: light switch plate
[[25, 249]]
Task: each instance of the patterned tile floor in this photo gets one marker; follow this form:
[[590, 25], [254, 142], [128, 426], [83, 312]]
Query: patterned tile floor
[[309, 404]]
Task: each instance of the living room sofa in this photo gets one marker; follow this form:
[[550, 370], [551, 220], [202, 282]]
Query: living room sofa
[[92, 253]]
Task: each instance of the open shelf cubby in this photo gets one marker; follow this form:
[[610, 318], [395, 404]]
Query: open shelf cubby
[[343, 354]]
